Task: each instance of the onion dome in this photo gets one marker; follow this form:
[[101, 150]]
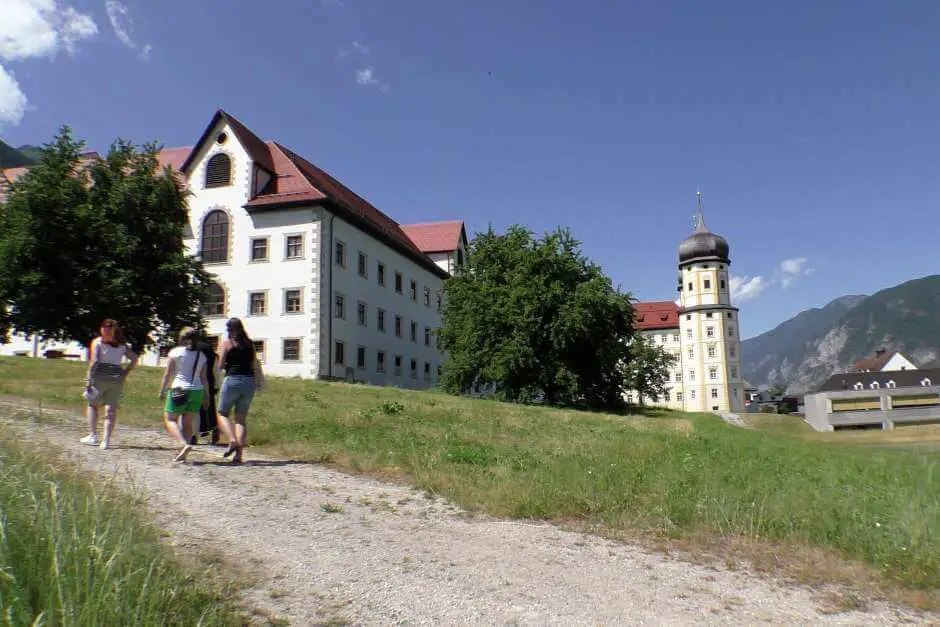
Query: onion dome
[[703, 245]]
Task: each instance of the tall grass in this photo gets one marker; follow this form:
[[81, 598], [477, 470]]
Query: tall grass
[[676, 475], [75, 554]]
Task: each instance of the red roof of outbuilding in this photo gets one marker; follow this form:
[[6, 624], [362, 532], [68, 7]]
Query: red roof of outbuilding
[[435, 237], [174, 157], [653, 315]]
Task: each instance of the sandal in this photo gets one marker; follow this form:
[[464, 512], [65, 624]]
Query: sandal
[[231, 449], [181, 456]]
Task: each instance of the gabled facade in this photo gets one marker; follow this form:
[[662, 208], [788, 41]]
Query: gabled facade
[[326, 284], [884, 361]]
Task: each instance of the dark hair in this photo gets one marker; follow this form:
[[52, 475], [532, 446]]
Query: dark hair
[[117, 334], [190, 337], [236, 333]]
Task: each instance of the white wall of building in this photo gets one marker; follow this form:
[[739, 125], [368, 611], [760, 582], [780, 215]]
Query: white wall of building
[[899, 362]]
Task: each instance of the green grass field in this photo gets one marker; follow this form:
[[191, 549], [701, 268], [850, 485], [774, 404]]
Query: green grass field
[[668, 476], [72, 553]]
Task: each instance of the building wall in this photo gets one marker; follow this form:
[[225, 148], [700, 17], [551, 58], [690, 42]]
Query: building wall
[[710, 345], [356, 290], [886, 407], [899, 362], [668, 340]]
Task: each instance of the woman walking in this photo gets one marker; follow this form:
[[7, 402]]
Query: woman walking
[[243, 376], [185, 377], [104, 382]]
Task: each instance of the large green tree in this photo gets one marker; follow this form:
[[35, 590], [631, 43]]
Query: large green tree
[[84, 239], [533, 319], [647, 371]]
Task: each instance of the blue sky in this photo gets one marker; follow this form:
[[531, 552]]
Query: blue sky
[[810, 127]]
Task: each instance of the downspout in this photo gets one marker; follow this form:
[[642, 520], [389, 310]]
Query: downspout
[[329, 306]]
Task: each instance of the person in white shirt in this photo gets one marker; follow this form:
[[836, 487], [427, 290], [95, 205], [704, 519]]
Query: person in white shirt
[[104, 382], [184, 384]]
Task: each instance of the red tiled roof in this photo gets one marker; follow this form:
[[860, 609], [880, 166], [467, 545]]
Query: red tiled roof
[[13, 174], [875, 363], [174, 157], [435, 237], [662, 314], [254, 145]]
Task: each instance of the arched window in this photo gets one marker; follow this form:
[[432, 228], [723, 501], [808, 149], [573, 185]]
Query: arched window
[[219, 170], [215, 301], [215, 237]]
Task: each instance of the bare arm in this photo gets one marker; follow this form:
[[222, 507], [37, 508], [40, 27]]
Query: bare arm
[[168, 374], [132, 357], [92, 360]]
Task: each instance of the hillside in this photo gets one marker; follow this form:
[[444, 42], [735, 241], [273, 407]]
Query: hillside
[[812, 345], [11, 157]]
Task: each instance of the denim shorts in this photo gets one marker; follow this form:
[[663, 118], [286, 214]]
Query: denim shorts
[[237, 392]]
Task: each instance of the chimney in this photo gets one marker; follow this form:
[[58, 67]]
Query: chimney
[[880, 351]]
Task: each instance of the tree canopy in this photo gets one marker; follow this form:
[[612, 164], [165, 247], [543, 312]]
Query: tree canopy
[[533, 319], [85, 239], [648, 369]]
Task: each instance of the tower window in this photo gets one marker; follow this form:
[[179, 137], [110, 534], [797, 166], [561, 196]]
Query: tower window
[[714, 392], [710, 332], [708, 284], [690, 286], [722, 284], [688, 333]]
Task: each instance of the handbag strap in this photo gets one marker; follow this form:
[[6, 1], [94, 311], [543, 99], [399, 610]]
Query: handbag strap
[[192, 377]]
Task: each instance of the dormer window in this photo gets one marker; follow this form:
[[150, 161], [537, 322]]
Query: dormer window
[[875, 385], [859, 386], [219, 170], [891, 384], [925, 382]]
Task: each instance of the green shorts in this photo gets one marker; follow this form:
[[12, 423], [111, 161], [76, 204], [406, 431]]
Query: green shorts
[[192, 404]]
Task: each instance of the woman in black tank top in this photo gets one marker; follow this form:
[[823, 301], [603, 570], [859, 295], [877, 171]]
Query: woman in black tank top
[[243, 377]]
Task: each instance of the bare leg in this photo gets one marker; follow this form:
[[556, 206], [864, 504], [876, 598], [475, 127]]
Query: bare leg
[[110, 417], [241, 435], [173, 429], [92, 414], [225, 426]]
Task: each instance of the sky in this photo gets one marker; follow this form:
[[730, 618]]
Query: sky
[[810, 127]]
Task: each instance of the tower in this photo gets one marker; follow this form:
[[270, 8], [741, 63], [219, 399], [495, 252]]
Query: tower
[[710, 349]]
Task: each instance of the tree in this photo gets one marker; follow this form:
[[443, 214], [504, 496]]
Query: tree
[[647, 371], [777, 389], [83, 239], [535, 320]]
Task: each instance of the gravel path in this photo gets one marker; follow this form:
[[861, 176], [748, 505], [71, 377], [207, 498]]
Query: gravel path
[[322, 546]]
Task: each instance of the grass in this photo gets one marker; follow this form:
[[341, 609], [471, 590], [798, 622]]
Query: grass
[[72, 553], [674, 476]]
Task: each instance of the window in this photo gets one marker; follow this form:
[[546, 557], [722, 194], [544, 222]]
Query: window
[[291, 350], [708, 315], [688, 333], [666, 396], [380, 361], [713, 373], [688, 316], [259, 249], [293, 302], [361, 312], [711, 350], [259, 350], [858, 386], [875, 385], [891, 384], [734, 372], [397, 365], [257, 304], [398, 282], [427, 297], [722, 283], [709, 331], [679, 396], [714, 392], [380, 319], [294, 247], [438, 301], [363, 265], [925, 382], [678, 376], [397, 326], [439, 372], [380, 273], [215, 237], [690, 286], [675, 337], [215, 301], [692, 395], [414, 368], [707, 284], [339, 352], [691, 375], [691, 353], [219, 170], [668, 377], [339, 306], [427, 371], [340, 254], [427, 336], [361, 357], [414, 331], [730, 331], [413, 290], [731, 351], [730, 315]]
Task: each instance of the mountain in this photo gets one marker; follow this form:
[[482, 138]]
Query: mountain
[[803, 351], [11, 157]]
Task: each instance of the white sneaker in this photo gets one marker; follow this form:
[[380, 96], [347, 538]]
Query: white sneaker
[[90, 440], [105, 445]]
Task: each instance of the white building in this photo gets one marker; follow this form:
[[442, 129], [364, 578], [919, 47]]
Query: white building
[[701, 329], [326, 284]]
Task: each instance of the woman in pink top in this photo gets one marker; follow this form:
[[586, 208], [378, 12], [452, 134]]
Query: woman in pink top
[[104, 382]]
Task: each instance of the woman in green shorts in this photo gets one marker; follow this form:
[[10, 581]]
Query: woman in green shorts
[[184, 384]]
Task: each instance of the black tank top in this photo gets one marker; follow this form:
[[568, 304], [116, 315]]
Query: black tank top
[[238, 361]]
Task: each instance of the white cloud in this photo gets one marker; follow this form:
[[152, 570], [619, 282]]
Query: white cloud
[[123, 26], [746, 288], [791, 269], [360, 47], [33, 29], [366, 78], [12, 100]]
